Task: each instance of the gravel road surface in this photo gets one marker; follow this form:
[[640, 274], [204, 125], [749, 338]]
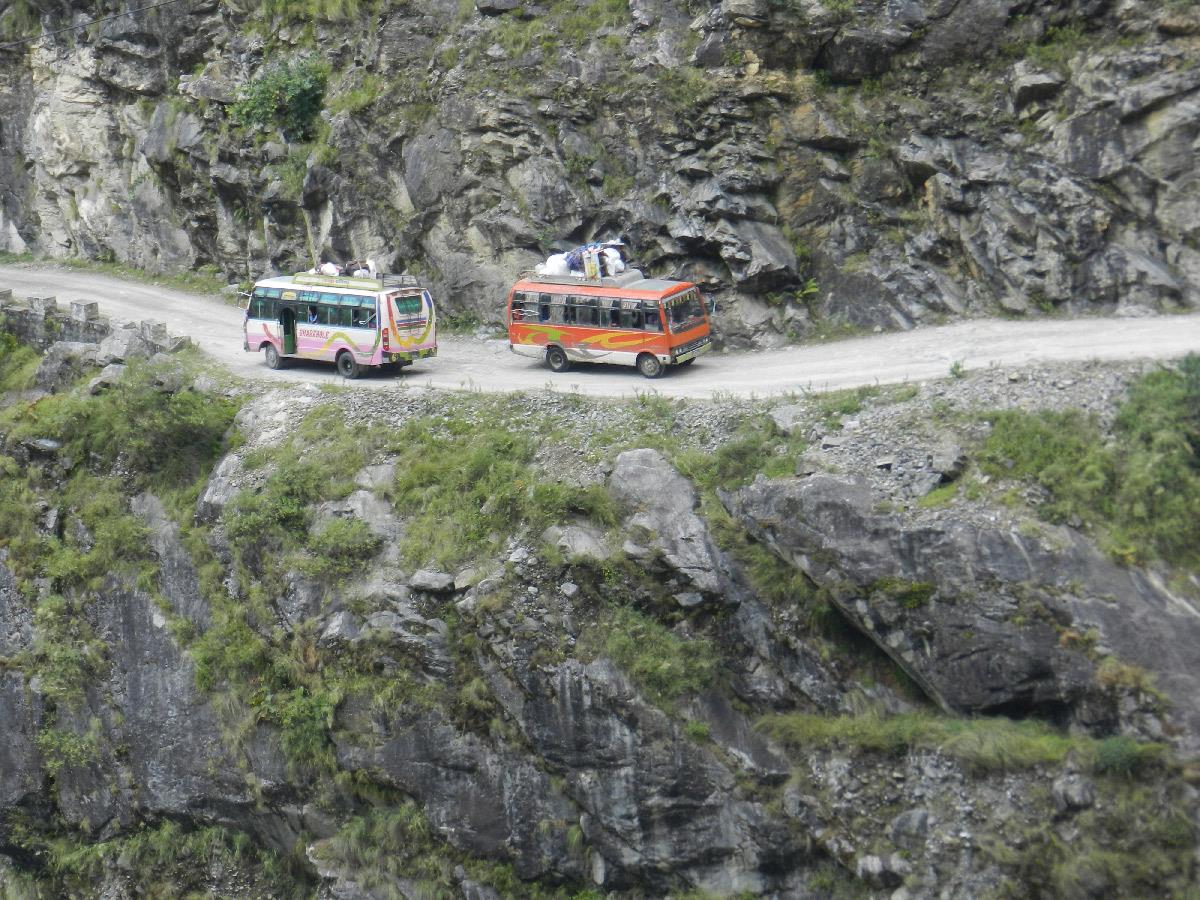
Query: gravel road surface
[[465, 362]]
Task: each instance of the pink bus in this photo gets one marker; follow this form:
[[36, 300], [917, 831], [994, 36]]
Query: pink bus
[[351, 322]]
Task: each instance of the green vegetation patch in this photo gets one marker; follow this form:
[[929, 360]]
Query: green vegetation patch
[[204, 280], [982, 745], [394, 841], [161, 860], [18, 520], [1138, 841], [757, 447], [339, 548], [664, 665], [288, 95], [317, 463], [834, 405], [1141, 488], [160, 438], [466, 488], [17, 363], [19, 19], [67, 654], [909, 594], [111, 541]]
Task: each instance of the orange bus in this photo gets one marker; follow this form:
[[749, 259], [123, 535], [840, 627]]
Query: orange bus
[[626, 319]]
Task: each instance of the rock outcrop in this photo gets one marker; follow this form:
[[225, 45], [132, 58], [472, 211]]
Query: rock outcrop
[[815, 168], [986, 620], [660, 698]]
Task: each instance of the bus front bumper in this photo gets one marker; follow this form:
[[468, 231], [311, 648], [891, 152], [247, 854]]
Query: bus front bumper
[[693, 352]]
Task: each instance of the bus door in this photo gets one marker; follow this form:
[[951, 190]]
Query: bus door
[[287, 321]]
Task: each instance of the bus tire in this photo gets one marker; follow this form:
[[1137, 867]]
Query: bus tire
[[273, 359], [347, 365], [556, 359], [649, 365]]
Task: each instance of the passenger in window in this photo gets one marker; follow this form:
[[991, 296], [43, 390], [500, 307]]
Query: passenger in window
[[312, 314]]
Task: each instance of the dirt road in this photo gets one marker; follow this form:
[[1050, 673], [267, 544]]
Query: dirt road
[[488, 365]]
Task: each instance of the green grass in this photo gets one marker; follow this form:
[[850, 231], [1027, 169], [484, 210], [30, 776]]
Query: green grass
[[836, 404], [394, 840], [165, 438], [67, 655], [19, 19], [113, 542], [18, 520], [317, 463], [909, 594], [465, 487], [17, 363], [1138, 841], [756, 447], [982, 745], [339, 548], [162, 859], [365, 92], [1140, 489], [662, 664]]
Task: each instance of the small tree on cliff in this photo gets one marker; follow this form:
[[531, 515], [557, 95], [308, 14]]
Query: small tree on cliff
[[285, 95]]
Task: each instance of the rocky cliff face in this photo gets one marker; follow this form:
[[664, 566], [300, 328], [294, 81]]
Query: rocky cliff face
[[817, 164], [295, 657]]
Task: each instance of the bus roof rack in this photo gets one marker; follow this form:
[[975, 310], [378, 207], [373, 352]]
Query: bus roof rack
[[401, 280], [352, 281], [626, 278]]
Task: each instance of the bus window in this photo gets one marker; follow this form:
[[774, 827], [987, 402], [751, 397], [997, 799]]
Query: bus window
[[407, 307], [631, 318], [366, 316], [571, 313], [261, 307], [344, 315], [558, 310], [653, 318], [684, 312]]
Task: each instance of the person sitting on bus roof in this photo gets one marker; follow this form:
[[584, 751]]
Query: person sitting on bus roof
[[312, 314]]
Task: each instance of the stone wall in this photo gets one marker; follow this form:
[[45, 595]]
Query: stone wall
[[40, 321]]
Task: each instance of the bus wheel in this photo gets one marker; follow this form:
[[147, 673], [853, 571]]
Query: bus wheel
[[347, 366], [556, 359], [274, 360], [649, 365]]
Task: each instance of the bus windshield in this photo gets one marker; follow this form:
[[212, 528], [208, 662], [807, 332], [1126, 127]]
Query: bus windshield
[[685, 311]]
